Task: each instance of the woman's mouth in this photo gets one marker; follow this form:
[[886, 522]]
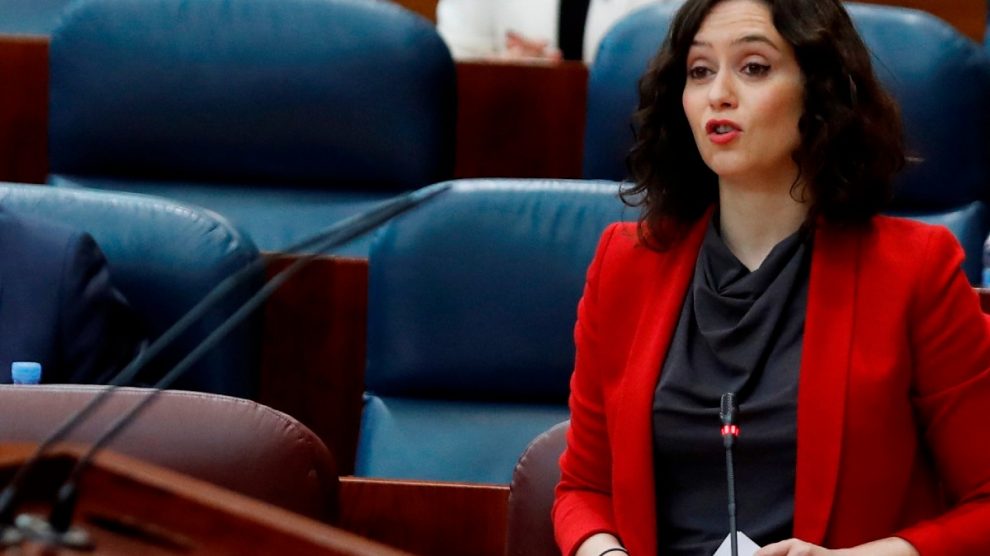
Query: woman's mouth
[[722, 132]]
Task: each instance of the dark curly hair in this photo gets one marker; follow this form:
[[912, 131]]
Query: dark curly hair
[[851, 136]]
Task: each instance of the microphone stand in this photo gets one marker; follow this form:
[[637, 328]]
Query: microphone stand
[[728, 412]]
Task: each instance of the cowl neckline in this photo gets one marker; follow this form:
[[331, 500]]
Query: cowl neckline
[[739, 311]]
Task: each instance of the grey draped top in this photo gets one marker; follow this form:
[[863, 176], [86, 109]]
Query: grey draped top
[[738, 331]]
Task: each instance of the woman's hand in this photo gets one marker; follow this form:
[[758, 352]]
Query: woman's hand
[[892, 546], [523, 48], [795, 547]]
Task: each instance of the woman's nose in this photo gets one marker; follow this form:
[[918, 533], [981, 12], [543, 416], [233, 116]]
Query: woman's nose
[[721, 93]]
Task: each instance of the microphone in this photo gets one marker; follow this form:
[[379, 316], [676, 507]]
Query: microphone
[[728, 413], [333, 236]]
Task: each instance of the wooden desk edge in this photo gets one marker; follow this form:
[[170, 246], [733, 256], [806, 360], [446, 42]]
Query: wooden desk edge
[[427, 517], [207, 495]]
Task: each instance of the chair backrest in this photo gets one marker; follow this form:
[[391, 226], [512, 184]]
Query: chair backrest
[[529, 530], [613, 87], [472, 302], [164, 257], [339, 94], [919, 58], [30, 17], [232, 442]]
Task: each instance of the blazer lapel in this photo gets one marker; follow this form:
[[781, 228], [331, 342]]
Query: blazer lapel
[[634, 489], [824, 374]]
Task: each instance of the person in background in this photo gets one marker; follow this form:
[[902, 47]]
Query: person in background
[[58, 306], [529, 29], [765, 150]]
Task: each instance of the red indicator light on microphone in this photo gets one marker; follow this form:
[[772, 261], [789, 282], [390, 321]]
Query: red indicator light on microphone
[[730, 430]]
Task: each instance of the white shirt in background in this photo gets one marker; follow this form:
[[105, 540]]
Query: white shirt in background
[[477, 28]]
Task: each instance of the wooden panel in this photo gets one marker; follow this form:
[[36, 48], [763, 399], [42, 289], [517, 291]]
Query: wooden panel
[[968, 16], [425, 8], [454, 519], [23, 109], [520, 120], [131, 507], [312, 362]]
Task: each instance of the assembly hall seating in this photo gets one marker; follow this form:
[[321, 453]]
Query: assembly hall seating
[[164, 257], [529, 531], [235, 443], [472, 302], [30, 17], [940, 78], [284, 116]]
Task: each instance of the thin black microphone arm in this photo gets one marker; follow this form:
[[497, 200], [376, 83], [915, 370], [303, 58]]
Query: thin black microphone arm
[[729, 414], [333, 236]]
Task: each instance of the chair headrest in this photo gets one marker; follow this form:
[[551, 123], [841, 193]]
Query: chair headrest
[[613, 87], [164, 257], [323, 92], [475, 292]]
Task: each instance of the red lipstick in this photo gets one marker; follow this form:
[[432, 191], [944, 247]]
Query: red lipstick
[[722, 132]]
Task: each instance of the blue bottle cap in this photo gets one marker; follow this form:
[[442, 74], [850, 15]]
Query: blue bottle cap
[[25, 372]]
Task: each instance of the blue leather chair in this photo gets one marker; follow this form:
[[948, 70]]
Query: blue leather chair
[[472, 302], [940, 78], [283, 115], [164, 257], [206, 436], [30, 17]]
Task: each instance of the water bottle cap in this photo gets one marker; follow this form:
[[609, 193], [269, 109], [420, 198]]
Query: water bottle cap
[[25, 372]]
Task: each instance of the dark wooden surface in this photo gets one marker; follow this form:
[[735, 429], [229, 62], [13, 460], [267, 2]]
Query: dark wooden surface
[[520, 120], [131, 507], [422, 517], [312, 362], [968, 16], [23, 109], [425, 8]]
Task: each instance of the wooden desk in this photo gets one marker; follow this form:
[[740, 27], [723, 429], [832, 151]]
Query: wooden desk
[[424, 517], [23, 109], [520, 120], [131, 507], [969, 16], [425, 8], [312, 360]]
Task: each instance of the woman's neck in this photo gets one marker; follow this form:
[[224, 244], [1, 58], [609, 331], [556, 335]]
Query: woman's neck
[[752, 221]]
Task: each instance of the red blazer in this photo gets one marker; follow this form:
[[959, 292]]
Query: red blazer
[[893, 431]]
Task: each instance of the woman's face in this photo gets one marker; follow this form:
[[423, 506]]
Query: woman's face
[[744, 94]]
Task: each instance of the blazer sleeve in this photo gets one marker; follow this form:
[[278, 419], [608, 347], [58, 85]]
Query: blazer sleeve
[[583, 502], [98, 334], [951, 351]]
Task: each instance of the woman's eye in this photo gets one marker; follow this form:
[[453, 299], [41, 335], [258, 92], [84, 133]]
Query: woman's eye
[[699, 72], [756, 69]]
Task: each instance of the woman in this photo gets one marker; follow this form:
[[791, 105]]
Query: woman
[[766, 148]]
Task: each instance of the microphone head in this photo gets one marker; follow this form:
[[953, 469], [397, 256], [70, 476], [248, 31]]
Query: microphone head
[[729, 409]]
